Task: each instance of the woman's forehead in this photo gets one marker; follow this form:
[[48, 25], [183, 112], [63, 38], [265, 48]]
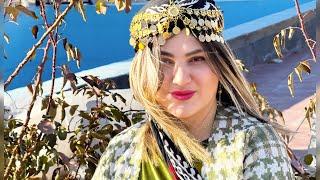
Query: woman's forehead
[[181, 44]]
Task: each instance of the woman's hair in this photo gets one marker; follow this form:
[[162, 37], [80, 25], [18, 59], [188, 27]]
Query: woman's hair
[[145, 79]]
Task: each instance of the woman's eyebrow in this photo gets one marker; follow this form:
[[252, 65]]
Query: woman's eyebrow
[[165, 53]]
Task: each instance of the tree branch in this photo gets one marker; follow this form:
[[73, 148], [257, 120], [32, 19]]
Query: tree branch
[[44, 17], [303, 30], [25, 125], [36, 46]]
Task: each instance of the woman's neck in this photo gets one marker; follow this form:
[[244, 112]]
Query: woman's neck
[[200, 124]]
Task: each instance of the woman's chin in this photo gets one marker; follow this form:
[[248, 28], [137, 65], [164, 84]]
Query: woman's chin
[[180, 112]]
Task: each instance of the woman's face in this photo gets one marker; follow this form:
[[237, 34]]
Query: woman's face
[[189, 85]]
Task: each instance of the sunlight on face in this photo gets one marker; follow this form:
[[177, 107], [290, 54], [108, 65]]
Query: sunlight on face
[[189, 85]]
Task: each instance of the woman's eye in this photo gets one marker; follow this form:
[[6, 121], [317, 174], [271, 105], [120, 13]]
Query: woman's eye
[[197, 59], [166, 61]]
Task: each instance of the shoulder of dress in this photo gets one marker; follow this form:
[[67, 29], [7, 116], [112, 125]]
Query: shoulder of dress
[[116, 161], [230, 118], [127, 135]]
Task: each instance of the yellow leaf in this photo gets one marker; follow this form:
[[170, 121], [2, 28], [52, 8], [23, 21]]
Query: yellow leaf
[[77, 54], [283, 37], [290, 84], [254, 87], [6, 37], [72, 53], [276, 44], [291, 31], [305, 66], [298, 72], [119, 5], [101, 7], [302, 67], [27, 11], [80, 8]]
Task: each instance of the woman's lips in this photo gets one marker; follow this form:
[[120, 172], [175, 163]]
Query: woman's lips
[[182, 95]]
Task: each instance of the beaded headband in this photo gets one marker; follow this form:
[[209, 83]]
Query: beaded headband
[[200, 17]]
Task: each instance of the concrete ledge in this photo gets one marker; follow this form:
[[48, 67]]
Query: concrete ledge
[[252, 42]]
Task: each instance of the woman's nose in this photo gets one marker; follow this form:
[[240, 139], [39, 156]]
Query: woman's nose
[[181, 75]]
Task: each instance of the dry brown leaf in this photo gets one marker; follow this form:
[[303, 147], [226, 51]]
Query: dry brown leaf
[[290, 84], [80, 8], [290, 34], [35, 31], [27, 11], [128, 6], [277, 46], [12, 12]]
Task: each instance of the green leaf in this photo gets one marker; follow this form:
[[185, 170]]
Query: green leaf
[[62, 133], [308, 159], [73, 109], [101, 7], [80, 149], [107, 129], [63, 113], [53, 109], [12, 124], [98, 136], [44, 103], [85, 115], [52, 140], [117, 114], [114, 95]]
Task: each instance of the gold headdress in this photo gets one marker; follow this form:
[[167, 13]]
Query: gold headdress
[[200, 17]]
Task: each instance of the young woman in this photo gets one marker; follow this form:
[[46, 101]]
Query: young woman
[[202, 121]]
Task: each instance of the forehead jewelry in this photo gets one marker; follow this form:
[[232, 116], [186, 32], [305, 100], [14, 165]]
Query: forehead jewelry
[[199, 17]]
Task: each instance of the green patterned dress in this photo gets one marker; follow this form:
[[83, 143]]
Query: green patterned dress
[[241, 147]]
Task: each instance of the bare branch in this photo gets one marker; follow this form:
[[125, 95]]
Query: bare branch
[[36, 46], [304, 30]]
